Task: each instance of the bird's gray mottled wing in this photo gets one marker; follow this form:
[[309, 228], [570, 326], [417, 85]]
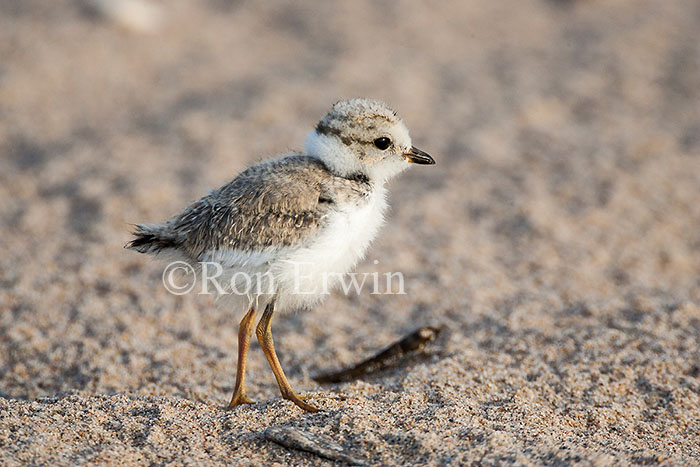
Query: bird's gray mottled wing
[[276, 203]]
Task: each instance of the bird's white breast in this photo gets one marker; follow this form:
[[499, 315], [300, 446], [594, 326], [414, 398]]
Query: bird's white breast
[[306, 274]]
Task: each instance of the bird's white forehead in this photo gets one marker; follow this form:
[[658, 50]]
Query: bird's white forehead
[[399, 132]]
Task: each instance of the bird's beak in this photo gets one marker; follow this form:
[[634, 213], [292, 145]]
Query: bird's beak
[[417, 156]]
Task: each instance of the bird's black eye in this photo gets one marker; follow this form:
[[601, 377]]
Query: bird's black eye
[[382, 143]]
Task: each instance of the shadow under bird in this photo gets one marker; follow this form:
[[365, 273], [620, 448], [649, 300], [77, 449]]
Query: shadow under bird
[[300, 220]]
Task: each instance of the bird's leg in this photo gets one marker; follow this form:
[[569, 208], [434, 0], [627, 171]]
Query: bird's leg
[[268, 346], [245, 331]]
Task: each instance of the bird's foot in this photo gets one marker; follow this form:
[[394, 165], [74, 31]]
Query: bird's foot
[[239, 398], [299, 401]]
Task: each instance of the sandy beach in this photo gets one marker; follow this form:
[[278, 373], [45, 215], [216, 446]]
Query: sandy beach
[[556, 243]]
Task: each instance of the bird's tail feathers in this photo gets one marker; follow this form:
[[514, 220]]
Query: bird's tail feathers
[[153, 238]]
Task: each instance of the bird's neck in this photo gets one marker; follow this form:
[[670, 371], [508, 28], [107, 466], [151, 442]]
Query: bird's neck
[[339, 159]]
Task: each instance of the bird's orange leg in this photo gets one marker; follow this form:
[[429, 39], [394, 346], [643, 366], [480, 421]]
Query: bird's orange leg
[[245, 331], [264, 334]]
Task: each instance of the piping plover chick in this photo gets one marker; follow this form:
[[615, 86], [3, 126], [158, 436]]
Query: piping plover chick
[[300, 221]]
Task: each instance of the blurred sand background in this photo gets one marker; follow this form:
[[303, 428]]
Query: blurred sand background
[[557, 240]]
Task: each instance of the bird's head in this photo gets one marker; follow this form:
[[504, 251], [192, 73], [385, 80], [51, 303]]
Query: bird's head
[[362, 136]]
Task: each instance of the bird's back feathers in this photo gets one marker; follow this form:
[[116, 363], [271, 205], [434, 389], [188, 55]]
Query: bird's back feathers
[[276, 203]]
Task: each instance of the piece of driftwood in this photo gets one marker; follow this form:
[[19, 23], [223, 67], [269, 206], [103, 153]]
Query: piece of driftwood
[[385, 359], [293, 438]]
